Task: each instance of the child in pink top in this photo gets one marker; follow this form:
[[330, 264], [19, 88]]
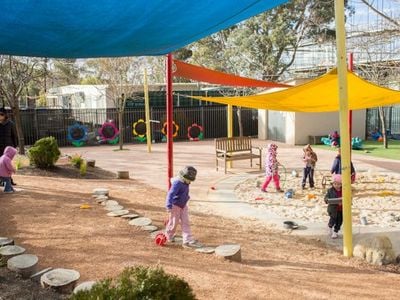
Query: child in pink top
[[6, 168], [271, 168]]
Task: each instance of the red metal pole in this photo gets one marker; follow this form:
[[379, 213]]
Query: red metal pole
[[169, 105], [351, 66]]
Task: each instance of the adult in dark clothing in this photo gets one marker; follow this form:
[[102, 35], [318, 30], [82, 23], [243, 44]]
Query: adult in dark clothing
[[337, 167], [8, 134]]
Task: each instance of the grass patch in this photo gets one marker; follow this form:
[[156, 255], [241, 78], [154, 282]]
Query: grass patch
[[374, 148]]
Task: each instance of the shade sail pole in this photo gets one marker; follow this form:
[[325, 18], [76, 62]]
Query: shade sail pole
[[229, 118], [344, 126], [351, 66], [169, 106], [147, 111]]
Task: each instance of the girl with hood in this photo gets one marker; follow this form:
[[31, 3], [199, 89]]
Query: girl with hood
[[6, 168], [8, 134], [271, 168]]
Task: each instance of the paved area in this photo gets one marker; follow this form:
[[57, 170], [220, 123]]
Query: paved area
[[151, 169]]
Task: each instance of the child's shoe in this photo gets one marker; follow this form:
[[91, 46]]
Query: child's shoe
[[264, 191], [329, 231], [335, 235], [191, 244], [9, 192], [279, 190]]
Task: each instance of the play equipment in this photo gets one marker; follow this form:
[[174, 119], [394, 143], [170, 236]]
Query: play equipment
[[311, 196], [109, 133], [295, 173], [289, 194], [160, 239], [195, 132], [356, 143], [139, 130], [77, 134]]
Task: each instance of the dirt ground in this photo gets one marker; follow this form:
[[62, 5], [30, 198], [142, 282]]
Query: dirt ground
[[45, 218]]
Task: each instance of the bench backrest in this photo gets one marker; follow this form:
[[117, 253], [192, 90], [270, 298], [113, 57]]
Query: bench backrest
[[233, 144]]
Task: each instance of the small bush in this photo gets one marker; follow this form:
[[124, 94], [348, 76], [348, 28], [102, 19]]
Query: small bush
[[76, 160], [83, 168], [44, 153], [139, 283]]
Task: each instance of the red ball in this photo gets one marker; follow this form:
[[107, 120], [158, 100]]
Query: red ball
[[160, 239]]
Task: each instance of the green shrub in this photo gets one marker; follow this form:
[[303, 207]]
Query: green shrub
[[76, 160], [44, 153], [83, 168], [139, 283]]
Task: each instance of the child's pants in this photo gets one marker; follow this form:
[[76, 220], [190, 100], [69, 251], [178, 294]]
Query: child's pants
[[308, 172], [335, 220], [7, 184], [179, 215], [268, 180]]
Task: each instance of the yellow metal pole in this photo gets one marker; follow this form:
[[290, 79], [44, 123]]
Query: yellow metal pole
[[147, 111], [344, 127], [230, 126]]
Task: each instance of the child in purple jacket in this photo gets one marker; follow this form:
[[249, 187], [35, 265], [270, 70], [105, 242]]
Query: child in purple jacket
[[176, 204], [6, 168]]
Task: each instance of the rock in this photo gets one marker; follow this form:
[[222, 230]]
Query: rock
[[206, 250], [149, 228], [62, 280], [376, 250], [118, 213], [101, 191], [90, 163], [130, 216], [110, 203], [9, 251], [398, 259], [84, 286], [140, 222], [6, 241], [230, 252], [114, 207], [123, 174], [24, 264], [36, 276]]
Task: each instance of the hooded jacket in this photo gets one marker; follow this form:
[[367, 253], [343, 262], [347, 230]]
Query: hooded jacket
[[8, 135], [6, 167], [271, 163]]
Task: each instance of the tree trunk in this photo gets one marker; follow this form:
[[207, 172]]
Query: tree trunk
[[239, 115], [18, 127], [383, 125], [121, 128]]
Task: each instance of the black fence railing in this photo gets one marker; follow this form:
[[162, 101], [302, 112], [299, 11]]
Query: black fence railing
[[38, 123]]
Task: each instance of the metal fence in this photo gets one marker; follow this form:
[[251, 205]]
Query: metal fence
[[38, 123], [392, 118]]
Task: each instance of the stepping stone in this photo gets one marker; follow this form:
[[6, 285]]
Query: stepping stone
[[130, 216], [6, 241], [91, 163], [101, 191], [150, 228], [62, 280], [140, 222], [110, 203], [9, 251], [100, 201], [230, 252], [24, 264], [114, 207], [84, 286], [206, 250], [118, 213], [36, 276]]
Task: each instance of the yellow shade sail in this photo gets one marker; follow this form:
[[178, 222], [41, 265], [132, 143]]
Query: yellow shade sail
[[318, 95]]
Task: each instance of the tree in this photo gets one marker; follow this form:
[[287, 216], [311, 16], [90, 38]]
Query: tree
[[17, 73], [266, 45], [120, 75], [64, 72]]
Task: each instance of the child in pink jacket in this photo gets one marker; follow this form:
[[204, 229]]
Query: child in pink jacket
[[6, 168]]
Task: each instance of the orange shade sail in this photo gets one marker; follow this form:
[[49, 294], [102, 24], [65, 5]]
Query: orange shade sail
[[188, 71]]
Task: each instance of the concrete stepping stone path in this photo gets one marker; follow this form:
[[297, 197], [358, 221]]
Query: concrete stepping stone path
[[101, 191], [230, 252], [130, 216], [6, 242], [205, 250], [84, 286], [140, 222], [110, 203], [118, 213], [150, 228], [61, 280], [7, 252], [114, 207], [36, 276], [24, 264]]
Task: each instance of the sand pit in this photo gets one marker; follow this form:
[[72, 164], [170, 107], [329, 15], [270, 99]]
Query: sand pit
[[376, 196]]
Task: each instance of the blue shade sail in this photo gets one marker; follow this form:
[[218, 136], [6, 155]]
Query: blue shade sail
[[106, 28]]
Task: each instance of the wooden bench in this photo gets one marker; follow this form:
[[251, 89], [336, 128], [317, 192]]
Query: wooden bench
[[235, 148]]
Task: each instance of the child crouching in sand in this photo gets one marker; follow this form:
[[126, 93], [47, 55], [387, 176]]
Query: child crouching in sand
[[7, 169]]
